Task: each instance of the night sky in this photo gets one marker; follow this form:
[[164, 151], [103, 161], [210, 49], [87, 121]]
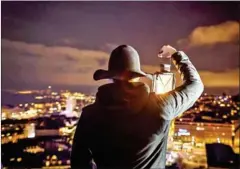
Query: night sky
[[63, 43]]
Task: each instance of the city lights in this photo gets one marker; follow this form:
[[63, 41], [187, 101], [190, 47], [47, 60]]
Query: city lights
[[199, 128], [54, 53], [55, 114], [183, 132]]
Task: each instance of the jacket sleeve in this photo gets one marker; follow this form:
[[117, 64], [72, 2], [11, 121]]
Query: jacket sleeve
[[177, 101], [81, 155]]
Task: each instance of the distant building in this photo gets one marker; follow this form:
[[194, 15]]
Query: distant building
[[70, 106], [11, 112], [30, 130], [198, 132]]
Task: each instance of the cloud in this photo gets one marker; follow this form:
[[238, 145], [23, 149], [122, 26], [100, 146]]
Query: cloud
[[68, 41], [70, 59], [56, 65], [228, 78], [219, 57], [213, 34], [102, 61], [109, 47]]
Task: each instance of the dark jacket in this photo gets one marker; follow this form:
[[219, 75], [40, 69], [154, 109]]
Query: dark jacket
[[127, 126]]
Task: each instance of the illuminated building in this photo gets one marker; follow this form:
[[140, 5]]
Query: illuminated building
[[30, 130], [33, 149], [70, 106], [11, 112], [205, 132]]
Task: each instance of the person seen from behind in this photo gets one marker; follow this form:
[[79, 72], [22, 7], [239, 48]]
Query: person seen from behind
[[127, 126]]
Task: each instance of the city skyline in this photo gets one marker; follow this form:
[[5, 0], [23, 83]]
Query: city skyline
[[63, 43], [39, 133]]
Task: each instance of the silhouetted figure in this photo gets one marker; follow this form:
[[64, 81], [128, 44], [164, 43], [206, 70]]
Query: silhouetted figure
[[127, 126]]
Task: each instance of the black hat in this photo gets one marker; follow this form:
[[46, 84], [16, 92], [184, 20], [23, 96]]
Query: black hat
[[124, 64]]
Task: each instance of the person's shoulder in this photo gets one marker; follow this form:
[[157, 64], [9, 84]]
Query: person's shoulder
[[89, 115], [89, 110], [157, 105]]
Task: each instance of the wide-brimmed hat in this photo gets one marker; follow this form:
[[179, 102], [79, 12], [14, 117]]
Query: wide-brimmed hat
[[124, 64]]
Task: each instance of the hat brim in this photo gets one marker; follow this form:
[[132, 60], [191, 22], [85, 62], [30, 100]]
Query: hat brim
[[106, 74]]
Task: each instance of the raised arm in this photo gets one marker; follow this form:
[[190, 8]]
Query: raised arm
[[175, 102]]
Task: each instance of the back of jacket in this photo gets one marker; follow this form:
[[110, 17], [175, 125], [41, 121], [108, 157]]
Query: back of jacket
[[127, 127]]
